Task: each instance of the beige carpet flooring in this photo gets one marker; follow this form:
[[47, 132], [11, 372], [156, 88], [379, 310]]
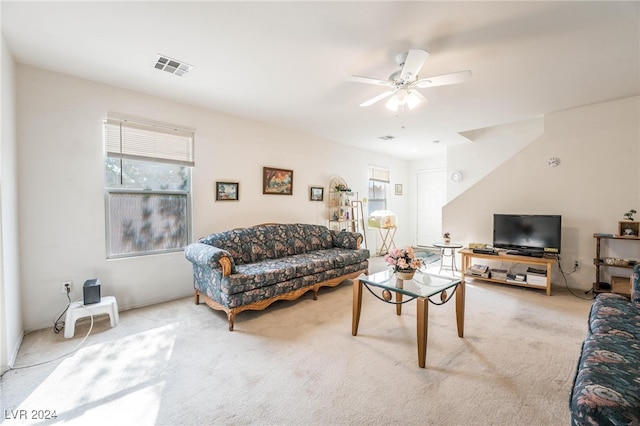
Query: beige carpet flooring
[[297, 363]]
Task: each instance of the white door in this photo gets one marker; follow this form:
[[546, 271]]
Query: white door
[[432, 196]]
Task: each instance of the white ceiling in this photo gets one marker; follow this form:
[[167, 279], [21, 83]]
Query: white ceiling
[[286, 63]]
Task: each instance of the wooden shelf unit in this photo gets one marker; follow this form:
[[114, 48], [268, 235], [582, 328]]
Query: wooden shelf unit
[[343, 211], [546, 262], [599, 262]]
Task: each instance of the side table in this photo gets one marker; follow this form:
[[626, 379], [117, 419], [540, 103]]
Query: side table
[[448, 250], [387, 235]]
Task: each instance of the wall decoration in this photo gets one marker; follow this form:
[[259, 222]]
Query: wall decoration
[[398, 189], [316, 193], [227, 191], [277, 181], [553, 162]]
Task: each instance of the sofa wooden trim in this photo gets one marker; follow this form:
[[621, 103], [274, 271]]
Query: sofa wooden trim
[[262, 304]]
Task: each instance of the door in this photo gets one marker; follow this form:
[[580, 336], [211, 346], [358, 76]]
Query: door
[[432, 196]]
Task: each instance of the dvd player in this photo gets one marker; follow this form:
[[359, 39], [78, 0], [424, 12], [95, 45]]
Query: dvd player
[[484, 251]]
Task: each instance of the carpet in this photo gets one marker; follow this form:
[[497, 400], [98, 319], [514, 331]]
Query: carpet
[[297, 363]]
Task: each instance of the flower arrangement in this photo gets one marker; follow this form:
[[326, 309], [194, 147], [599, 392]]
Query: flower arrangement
[[403, 259]]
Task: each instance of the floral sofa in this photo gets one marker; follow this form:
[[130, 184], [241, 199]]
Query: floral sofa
[[250, 268], [606, 388]]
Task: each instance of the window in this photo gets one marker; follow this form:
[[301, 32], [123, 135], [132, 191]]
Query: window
[[378, 182], [147, 186]]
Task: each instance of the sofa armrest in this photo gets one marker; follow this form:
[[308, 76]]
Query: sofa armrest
[[204, 254], [346, 239], [635, 284]]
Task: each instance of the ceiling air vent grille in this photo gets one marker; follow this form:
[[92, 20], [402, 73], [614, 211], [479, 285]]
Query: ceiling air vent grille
[[173, 66]]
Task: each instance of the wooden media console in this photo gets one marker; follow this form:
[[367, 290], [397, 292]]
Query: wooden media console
[[468, 255]]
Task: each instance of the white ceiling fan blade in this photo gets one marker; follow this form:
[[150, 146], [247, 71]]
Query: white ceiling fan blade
[[377, 98], [444, 79], [413, 63], [368, 80]]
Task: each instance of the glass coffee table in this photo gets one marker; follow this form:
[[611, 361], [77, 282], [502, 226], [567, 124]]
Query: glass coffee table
[[424, 288]]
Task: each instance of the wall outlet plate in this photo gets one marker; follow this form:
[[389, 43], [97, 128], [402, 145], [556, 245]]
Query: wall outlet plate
[[63, 286]]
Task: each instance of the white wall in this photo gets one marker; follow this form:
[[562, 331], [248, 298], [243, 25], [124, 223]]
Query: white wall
[[62, 230], [489, 147], [595, 184], [11, 324]]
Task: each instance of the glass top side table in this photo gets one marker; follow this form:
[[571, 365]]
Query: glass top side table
[[448, 251]]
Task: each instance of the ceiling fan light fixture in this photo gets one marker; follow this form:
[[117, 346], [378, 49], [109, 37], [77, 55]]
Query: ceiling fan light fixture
[[404, 97], [393, 104], [413, 100], [403, 82]]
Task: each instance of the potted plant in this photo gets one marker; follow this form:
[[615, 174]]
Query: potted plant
[[628, 227], [341, 187], [629, 215], [447, 237]]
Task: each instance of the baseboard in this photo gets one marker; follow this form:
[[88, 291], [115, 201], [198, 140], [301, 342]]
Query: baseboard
[[12, 358]]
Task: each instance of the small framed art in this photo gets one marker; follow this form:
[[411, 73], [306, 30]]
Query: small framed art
[[398, 189], [277, 181], [227, 191], [316, 193]]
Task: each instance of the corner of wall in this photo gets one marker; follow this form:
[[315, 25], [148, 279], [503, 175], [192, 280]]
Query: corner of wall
[[11, 321]]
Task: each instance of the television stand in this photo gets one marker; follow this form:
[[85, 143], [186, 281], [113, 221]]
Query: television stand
[[468, 255]]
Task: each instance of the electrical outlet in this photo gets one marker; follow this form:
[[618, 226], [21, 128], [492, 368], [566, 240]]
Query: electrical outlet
[[64, 285], [576, 264]]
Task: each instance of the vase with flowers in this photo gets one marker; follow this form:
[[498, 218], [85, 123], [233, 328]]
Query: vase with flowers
[[404, 262], [447, 237]]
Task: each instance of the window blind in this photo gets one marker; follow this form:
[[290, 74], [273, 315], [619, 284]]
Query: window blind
[[148, 142], [379, 174]]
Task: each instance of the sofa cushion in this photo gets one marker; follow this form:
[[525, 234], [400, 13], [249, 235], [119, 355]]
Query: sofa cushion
[[344, 257], [614, 314], [307, 238], [606, 388], [271, 271]]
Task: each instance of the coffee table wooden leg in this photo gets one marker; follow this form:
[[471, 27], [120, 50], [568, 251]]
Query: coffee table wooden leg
[[399, 284], [422, 305], [460, 307], [357, 306]]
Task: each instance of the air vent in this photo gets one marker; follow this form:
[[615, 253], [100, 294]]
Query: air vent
[[387, 138], [173, 66]]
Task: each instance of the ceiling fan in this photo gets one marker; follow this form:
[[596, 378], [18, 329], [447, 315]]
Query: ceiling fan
[[405, 82]]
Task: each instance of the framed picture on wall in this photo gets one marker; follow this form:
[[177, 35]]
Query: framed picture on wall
[[277, 181], [398, 189], [227, 191], [316, 193]]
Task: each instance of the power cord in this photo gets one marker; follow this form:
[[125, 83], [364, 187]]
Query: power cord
[[566, 283], [59, 326]]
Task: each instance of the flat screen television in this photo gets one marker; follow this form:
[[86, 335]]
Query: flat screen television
[[527, 234]]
